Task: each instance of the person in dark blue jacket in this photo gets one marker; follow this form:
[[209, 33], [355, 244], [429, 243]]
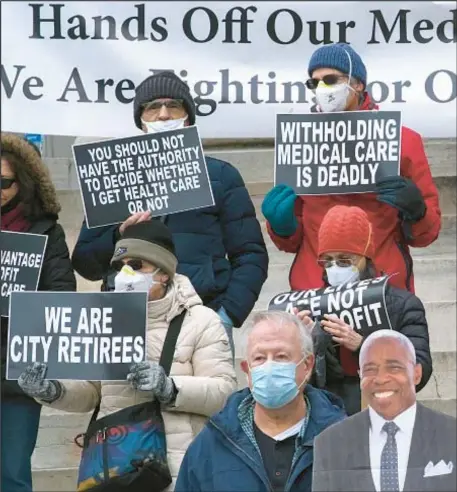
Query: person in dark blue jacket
[[220, 248], [263, 439]]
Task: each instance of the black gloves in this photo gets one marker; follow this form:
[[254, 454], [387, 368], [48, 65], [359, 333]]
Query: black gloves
[[402, 194]]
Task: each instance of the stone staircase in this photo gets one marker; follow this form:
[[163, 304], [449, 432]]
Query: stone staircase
[[56, 457]]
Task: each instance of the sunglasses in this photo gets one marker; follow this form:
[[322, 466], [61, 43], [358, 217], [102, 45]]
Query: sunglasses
[[341, 262], [7, 183], [133, 264], [330, 79]]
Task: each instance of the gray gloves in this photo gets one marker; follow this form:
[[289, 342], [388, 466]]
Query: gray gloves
[[145, 376], [32, 382], [150, 376]]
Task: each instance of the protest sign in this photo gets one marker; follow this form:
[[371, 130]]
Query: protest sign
[[92, 336], [163, 173], [22, 257], [360, 304], [337, 153]]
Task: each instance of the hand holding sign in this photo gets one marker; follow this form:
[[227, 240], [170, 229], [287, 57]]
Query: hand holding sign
[[134, 219], [150, 376], [32, 382], [341, 332]]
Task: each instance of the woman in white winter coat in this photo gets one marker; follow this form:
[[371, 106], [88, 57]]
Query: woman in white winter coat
[[202, 374]]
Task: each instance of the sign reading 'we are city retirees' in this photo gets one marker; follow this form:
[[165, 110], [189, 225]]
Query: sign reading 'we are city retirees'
[[93, 336], [337, 153], [163, 173]]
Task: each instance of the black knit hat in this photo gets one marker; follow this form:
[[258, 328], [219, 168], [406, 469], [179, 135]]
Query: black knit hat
[[150, 241], [162, 85]]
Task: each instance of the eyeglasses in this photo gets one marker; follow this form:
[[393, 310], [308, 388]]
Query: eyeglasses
[[330, 79], [135, 264], [7, 183], [173, 105], [341, 262]]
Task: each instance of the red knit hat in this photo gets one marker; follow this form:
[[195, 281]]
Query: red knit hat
[[346, 229]]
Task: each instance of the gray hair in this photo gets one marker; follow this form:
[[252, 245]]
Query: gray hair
[[387, 334], [281, 318]]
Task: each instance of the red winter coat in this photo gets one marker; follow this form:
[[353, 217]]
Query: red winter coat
[[392, 248]]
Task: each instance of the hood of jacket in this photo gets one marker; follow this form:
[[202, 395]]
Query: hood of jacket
[[180, 296], [37, 169], [326, 409]]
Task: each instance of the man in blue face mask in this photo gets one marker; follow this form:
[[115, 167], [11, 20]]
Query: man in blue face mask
[[262, 439]]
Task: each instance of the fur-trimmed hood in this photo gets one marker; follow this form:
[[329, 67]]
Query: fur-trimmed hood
[[28, 156]]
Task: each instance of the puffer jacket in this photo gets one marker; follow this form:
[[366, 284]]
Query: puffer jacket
[[220, 248], [392, 243], [57, 272], [202, 371]]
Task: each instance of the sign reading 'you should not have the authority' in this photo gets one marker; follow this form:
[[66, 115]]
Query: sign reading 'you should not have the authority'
[[337, 153], [361, 305], [163, 173], [22, 257], [93, 336]]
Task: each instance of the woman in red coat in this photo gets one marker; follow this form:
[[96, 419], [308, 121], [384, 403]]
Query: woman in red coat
[[405, 210]]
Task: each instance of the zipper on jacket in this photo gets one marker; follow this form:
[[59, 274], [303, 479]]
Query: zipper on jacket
[[408, 264], [244, 452], [101, 437], [292, 468]]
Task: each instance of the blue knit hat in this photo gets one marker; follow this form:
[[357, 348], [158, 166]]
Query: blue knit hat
[[336, 56]]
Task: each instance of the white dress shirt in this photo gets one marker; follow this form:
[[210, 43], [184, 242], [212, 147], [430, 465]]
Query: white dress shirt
[[405, 422]]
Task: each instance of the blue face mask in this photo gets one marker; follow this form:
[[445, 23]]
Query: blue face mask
[[273, 383]]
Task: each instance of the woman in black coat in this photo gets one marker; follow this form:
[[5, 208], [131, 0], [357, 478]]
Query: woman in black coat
[[345, 251], [28, 205]]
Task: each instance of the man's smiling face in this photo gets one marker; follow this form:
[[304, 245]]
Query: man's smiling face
[[389, 377]]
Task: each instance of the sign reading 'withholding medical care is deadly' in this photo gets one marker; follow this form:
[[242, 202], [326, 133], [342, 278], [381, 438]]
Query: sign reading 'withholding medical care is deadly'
[[337, 153], [163, 173], [360, 304], [92, 336], [22, 257]]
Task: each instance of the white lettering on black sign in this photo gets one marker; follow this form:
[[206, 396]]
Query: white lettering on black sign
[[22, 257], [93, 336], [359, 304], [337, 153], [162, 173]]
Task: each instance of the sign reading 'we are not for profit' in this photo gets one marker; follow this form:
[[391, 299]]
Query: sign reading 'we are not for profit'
[[337, 153]]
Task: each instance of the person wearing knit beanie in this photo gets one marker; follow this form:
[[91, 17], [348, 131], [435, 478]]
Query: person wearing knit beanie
[[345, 242], [338, 77], [163, 102], [347, 252], [145, 259]]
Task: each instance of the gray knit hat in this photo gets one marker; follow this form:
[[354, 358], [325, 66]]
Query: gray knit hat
[[150, 241], [161, 85]]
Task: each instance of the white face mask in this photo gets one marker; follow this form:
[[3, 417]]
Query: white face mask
[[163, 126], [129, 280], [338, 275], [333, 99]]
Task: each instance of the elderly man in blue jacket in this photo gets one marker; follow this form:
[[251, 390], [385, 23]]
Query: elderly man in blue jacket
[[220, 248], [263, 439]]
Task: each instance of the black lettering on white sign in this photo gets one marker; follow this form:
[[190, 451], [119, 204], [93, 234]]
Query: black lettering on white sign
[[22, 256], [360, 304], [163, 173], [80, 335], [337, 153]]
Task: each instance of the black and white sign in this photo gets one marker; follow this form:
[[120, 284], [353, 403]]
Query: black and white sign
[[337, 153], [360, 304], [22, 258], [93, 336], [163, 173]]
